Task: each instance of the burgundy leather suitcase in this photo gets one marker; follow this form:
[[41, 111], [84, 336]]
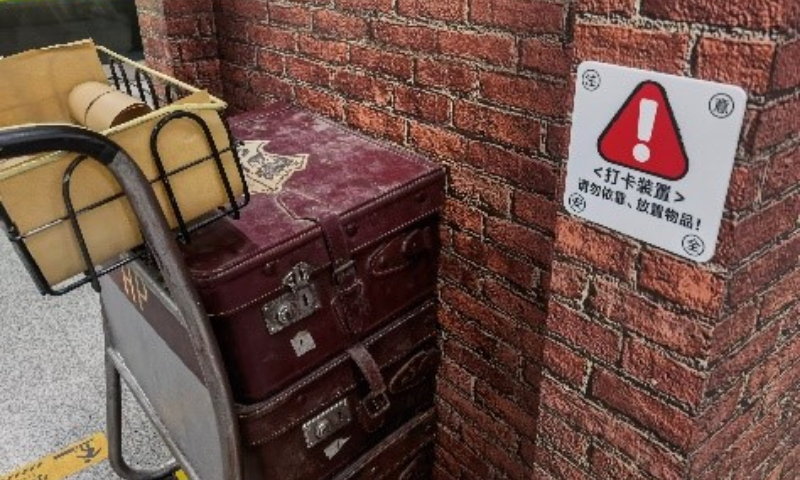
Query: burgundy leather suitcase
[[406, 454], [340, 237], [326, 421]]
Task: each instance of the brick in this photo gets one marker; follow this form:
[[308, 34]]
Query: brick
[[376, 122], [513, 304], [516, 130], [459, 272], [273, 37], [633, 47], [445, 10], [744, 63], [560, 467], [658, 371], [745, 185], [271, 62], [521, 170], [787, 66], [624, 8], [664, 421], [743, 360], [782, 173], [733, 329], [306, 71], [322, 102], [522, 414], [494, 453], [264, 83], [568, 280], [565, 364], [362, 87], [440, 142], [249, 9], [489, 372], [491, 48], [773, 366], [416, 38], [464, 216], [466, 457], [756, 231], [431, 107], [467, 333], [337, 25], [499, 431], [559, 434], [535, 210], [631, 311], [587, 244], [757, 14], [720, 411], [368, 5], [290, 15], [520, 240], [531, 95], [608, 466], [763, 270], [494, 197], [600, 341], [544, 57], [777, 123], [781, 295], [393, 64], [238, 54], [598, 423], [558, 140], [491, 321], [682, 282], [326, 50], [520, 16], [444, 74], [495, 260], [457, 377]]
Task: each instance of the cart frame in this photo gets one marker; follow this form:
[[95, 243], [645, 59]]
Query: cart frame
[[38, 139]]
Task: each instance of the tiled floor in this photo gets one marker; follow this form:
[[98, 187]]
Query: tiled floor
[[52, 383]]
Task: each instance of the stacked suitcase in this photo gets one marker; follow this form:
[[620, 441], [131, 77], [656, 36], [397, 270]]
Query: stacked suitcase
[[322, 299]]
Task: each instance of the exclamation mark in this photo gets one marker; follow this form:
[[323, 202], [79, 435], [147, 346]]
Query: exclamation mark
[[647, 119]]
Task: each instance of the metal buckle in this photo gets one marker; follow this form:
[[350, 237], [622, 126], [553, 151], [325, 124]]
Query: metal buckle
[[293, 306], [376, 404], [347, 268]]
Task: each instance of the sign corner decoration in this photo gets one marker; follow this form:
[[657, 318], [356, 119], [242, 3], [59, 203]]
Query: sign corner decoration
[[651, 155]]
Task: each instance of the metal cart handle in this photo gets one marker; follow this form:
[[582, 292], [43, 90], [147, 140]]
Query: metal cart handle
[[37, 139]]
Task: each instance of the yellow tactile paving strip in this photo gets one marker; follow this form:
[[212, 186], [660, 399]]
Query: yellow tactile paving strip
[[67, 462]]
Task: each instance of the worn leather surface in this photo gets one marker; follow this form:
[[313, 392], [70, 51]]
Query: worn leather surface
[[386, 202], [406, 454], [405, 351]]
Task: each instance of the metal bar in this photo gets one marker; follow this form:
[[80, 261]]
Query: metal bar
[[75, 223]]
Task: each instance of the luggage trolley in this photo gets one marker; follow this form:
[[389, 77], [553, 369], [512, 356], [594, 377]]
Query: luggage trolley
[[194, 412], [214, 431]]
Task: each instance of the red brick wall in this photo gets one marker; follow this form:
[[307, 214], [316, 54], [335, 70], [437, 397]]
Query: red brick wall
[[570, 351], [686, 371]]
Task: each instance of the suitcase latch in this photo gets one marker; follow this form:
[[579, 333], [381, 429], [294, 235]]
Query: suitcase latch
[[327, 423], [293, 306]]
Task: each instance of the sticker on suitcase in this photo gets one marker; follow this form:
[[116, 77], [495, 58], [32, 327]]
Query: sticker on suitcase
[[266, 172]]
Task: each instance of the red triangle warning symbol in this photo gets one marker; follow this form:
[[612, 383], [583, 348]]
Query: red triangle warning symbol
[[644, 135]]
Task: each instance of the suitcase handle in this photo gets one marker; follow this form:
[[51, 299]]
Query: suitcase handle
[[38, 139]]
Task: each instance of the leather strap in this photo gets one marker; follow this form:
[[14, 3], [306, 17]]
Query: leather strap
[[374, 406], [336, 243]]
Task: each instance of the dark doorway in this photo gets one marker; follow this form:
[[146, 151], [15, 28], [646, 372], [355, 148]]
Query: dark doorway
[[26, 24]]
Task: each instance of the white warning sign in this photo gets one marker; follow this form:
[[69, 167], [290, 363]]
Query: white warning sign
[[651, 155]]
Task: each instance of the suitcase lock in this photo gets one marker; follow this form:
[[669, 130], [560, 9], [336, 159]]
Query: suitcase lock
[[327, 423], [293, 306]]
